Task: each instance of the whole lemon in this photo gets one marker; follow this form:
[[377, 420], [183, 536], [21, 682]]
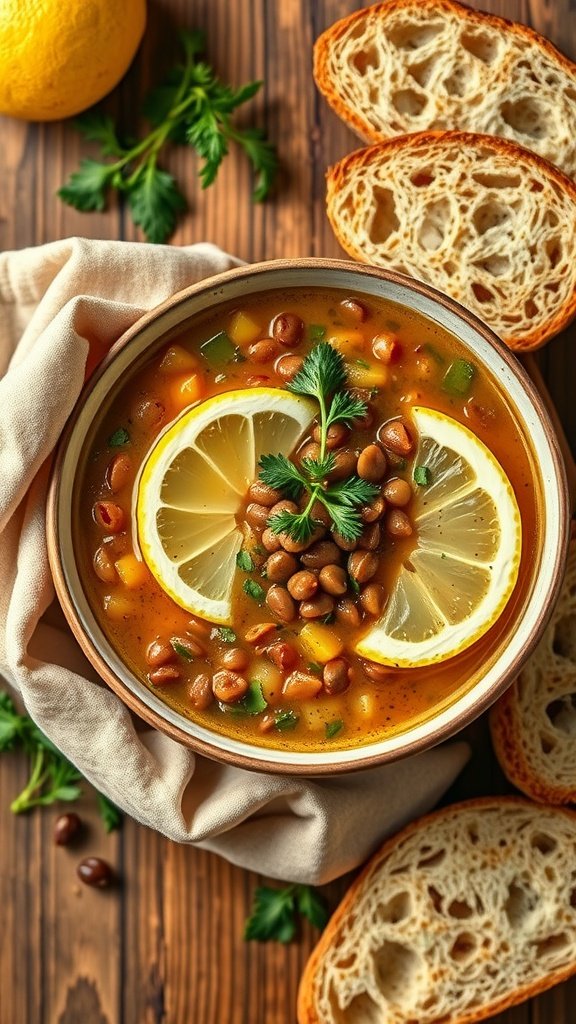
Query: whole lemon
[[58, 57]]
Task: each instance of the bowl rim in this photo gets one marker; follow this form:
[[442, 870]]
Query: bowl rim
[[212, 749]]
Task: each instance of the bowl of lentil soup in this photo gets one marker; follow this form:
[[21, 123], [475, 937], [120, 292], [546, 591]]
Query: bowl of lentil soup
[[308, 516]]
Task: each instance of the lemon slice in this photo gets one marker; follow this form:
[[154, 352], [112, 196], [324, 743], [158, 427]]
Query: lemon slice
[[194, 483], [463, 568]]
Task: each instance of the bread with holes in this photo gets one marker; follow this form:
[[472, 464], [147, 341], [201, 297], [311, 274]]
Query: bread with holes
[[534, 724], [464, 913], [484, 220], [415, 65]]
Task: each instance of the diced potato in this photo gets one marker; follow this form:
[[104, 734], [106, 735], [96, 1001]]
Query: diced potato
[[365, 705], [349, 342], [187, 390], [313, 715], [270, 677], [178, 360], [118, 607], [373, 375], [320, 643], [243, 329], [132, 572]]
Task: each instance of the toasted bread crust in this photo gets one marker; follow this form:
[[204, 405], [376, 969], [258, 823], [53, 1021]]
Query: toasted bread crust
[[380, 14], [306, 1008], [374, 162], [536, 754]]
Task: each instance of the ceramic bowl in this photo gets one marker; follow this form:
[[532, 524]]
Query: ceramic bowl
[[149, 334]]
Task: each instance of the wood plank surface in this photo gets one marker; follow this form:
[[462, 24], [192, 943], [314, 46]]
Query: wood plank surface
[[165, 945]]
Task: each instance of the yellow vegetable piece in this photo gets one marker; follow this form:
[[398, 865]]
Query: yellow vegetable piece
[[371, 376], [269, 677], [118, 607], [320, 643], [365, 705], [133, 573], [179, 360], [243, 329], [348, 342], [187, 390], [58, 58]]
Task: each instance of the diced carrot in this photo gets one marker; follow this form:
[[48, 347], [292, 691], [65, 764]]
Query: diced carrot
[[132, 572], [187, 390], [349, 342], [118, 607], [179, 360]]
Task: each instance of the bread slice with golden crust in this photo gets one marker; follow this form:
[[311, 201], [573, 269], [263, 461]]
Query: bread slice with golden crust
[[485, 221], [415, 65], [533, 724], [464, 913]]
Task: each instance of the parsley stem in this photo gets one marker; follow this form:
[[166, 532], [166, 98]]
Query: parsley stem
[[323, 427], [25, 799]]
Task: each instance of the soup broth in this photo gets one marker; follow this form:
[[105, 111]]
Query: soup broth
[[395, 360]]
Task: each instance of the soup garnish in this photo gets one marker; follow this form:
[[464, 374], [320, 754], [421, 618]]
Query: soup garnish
[[305, 520]]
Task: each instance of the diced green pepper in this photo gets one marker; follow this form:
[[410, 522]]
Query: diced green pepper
[[422, 475], [458, 377], [285, 720], [218, 350]]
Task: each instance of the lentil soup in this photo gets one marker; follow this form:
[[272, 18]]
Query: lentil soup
[[283, 671]]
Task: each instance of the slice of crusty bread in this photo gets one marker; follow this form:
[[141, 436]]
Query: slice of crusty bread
[[483, 220], [464, 913], [534, 724], [414, 65]]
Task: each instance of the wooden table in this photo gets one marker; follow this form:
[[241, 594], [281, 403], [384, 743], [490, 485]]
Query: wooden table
[[166, 946]]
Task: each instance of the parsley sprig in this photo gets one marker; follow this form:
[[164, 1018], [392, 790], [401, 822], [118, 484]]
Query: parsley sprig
[[274, 912], [52, 777], [323, 377], [192, 107]]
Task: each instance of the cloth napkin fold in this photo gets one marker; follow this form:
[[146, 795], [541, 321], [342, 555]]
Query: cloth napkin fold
[[62, 306]]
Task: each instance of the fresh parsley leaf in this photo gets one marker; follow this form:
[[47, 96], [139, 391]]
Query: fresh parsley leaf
[[254, 590], [353, 492], [119, 438], [10, 723], [422, 475], [181, 650], [254, 702], [345, 408], [286, 720], [333, 728], [244, 560], [86, 188], [278, 472], [272, 915], [191, 107], [155, 202], [321, 374], [318, 470], [225, 633], [354, 585], [110, 814], [312, 905], [298, 525], [316, 332], [274, 911]]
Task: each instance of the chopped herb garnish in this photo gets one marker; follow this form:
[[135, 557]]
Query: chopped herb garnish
[[458, 377], [226, 634], [316, 332], [254, 590], [323, 377], [314, 666], [329, 618], [362, 363], [244, 560], [422, 475], [333, 728], [354, 585], [254, 702], [192, 107], [218, 349], [119, 438], [434, 353], [401, 464], [285, 720], [110, 814], [273, 915], [183, 651], [442, 555]]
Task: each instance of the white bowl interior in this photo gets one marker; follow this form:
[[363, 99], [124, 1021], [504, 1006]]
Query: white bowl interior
[[356, 282]]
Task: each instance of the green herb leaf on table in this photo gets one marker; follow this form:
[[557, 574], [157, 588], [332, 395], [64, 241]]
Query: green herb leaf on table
[[274, 912], [254, 590], [244, 560], [191, 107], [227, 634], [110, 814]]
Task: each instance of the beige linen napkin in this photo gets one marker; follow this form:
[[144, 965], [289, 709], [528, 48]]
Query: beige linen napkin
[[62, 306]]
